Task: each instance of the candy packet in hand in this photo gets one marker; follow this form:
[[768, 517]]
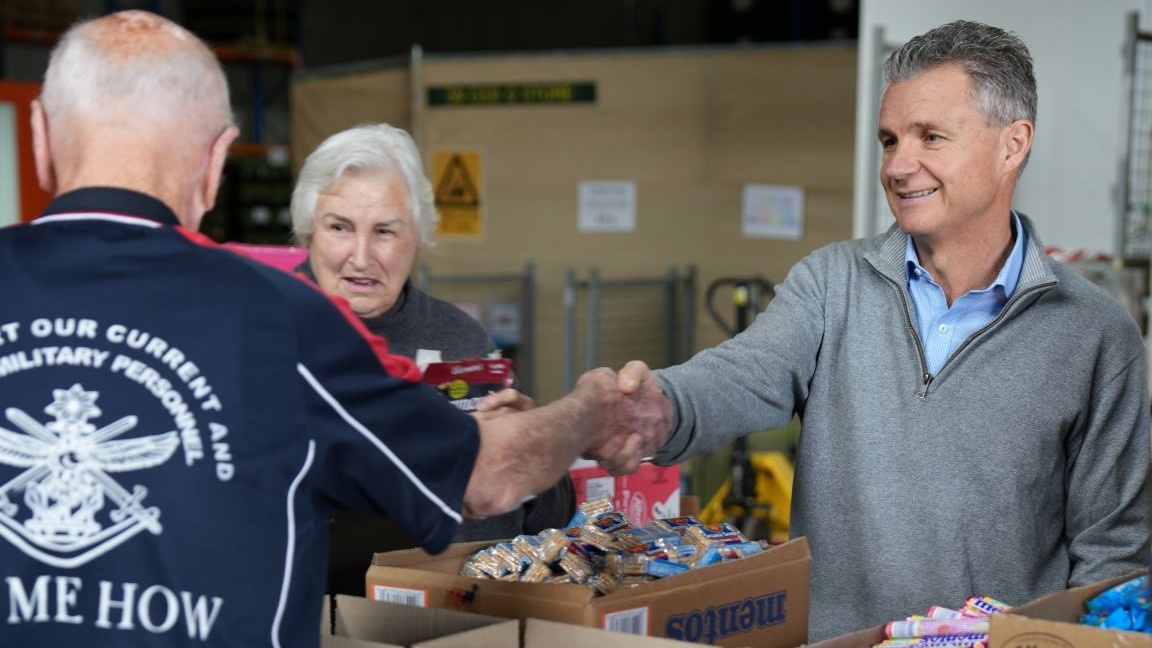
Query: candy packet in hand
[[465, 382]]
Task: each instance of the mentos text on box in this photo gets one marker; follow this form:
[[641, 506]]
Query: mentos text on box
[[759, 601], [650, 493]]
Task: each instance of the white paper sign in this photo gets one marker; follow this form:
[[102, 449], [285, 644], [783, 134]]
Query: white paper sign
[[773, 211], [607, 206], [504, 323]]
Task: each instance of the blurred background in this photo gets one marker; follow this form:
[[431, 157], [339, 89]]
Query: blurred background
[[625, 179]]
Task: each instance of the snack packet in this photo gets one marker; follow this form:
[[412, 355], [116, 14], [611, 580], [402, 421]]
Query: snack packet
[[465, 382]]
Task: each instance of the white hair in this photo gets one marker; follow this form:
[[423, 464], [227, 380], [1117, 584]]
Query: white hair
[[367, 147], [137, 62]]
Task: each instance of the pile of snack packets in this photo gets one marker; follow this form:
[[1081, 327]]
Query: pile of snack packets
[[1123, 607], [942, 627], [600, 547]]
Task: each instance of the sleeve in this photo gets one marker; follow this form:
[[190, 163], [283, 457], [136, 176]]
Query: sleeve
[[754, 381], [1108, 498], [386, 443]]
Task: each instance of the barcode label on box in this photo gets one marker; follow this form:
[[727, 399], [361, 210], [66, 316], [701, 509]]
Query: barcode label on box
[[401, 595], [634, 621]]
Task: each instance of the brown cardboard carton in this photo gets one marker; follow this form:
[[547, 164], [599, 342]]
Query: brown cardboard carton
[[1048, 622], [360, 623], [865, 638], [758, 601], [1051, 622], [552, 634]]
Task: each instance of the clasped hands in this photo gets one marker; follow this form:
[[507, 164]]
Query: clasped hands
[[637, 416], [630, 417], [618, 419]]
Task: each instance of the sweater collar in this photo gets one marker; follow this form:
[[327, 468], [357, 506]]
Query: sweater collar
[[887, 254]]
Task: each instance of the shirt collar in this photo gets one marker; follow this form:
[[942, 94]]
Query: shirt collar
[[1009, 274], [111, 200]]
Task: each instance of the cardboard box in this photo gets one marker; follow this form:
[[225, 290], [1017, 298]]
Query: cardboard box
[[361, 623], [652, 492], [551, 634], [757, 601], [861, 639], [1048, 622], [1052, 622]]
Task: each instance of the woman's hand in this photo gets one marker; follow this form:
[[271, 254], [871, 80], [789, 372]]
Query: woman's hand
[[503, 402]]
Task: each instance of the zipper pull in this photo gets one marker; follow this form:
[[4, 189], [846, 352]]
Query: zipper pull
[[924, 386]]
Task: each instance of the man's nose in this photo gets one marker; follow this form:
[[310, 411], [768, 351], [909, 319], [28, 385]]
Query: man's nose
[[899, 162]]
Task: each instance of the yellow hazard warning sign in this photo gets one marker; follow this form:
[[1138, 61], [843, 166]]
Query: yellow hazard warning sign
[[457, 182]]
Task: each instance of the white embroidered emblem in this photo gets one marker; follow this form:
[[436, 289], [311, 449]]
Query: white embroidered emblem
[[63, 521]]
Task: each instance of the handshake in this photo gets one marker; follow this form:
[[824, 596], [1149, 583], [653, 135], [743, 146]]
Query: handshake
[[637, 416], [618, 419]]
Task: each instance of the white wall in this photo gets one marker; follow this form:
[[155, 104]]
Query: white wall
[[9, 168], [1072, 185]]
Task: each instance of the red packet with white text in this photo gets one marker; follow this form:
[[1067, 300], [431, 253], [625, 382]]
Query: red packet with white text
[[464, 382]]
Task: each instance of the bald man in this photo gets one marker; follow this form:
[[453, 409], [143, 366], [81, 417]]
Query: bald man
[[179, 422]]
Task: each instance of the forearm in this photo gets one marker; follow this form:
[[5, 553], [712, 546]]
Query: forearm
[[1108, 502], [525, 453]]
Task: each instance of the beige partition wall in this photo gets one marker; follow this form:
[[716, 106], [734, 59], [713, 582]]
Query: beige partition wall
[[690, 129], [325, 105]]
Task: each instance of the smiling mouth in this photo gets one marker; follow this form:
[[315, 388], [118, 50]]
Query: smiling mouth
[[916, 194], [361, 281]]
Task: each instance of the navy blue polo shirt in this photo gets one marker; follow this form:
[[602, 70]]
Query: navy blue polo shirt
[[178, 422]]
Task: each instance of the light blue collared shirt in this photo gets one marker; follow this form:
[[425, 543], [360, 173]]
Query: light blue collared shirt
[[943, 329]]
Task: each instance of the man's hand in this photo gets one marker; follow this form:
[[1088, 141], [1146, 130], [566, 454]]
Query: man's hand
[[645, 420], [525, 452]]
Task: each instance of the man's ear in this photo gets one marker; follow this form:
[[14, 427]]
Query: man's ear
[[204, 197], [217, 155], [42, 149], [1018, 141]]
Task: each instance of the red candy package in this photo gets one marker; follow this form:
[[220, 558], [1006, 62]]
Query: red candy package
[[464, 382]]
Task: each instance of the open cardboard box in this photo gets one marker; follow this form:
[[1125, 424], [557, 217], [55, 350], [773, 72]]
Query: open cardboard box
[[539, 633], [1052, 622], [360, 623], [1048, 622], [757, 601]]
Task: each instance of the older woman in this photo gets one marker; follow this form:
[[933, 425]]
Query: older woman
[[363, 209]]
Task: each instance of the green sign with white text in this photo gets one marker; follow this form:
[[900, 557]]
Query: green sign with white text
[[492, 94]]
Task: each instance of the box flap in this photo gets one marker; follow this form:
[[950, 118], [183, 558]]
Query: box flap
[[1068, 605], [865, 638], [1052, 621], [334, 641], [360, 618], [551, 634], [1013, 631], [501, 635]]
